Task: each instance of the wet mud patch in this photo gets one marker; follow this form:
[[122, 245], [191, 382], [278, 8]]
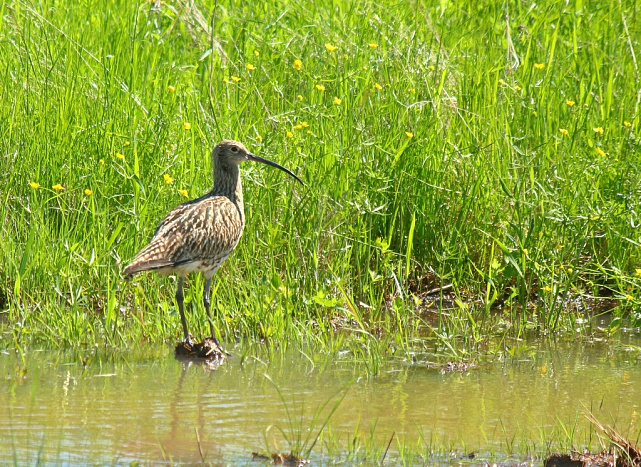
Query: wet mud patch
[[587, 459], [620, 453], [208, 349]]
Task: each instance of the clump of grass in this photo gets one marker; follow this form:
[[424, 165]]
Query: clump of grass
[[483, 148]]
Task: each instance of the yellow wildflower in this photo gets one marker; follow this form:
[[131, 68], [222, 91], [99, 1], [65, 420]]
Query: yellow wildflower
[[527, 253], [186, 126], [290, 134], [127, 143], [558, 247], [58, 187], [563, 131], [629, 297], [320, 87], [518, 88], [637, 272], [298, 127], [539, 66], [171, 89], [34, 185], [299, 97], [249, 66], [412, 91], [88, 191], [298, 64], [256, 53], [168, 179], [259, 139], [600, 152], [120, 155], [570, 103], [102, 162], [598, 130], [628, 124], [235, 79], [409, 134], [330, 47], [337, 101], [373, 45], [501, 82], [378, 86], [304, 124], [185, 193], [431, 67], [547, 288]]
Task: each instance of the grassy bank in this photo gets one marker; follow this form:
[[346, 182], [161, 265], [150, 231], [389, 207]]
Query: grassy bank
[[492, 147]]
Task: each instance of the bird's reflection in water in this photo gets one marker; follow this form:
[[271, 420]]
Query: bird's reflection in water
[[188, 426]]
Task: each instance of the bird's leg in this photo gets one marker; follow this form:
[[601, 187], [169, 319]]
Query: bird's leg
[[179, 300], [207, 303]]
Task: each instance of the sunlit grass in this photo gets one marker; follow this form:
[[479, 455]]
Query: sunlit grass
[[436, 148]]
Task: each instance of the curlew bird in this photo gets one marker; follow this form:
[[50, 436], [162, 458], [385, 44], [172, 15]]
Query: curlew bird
[[199, 235]]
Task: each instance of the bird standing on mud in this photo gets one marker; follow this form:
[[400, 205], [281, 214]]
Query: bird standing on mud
[[199, 235]]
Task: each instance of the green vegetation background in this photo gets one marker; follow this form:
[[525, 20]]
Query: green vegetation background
[[488, 145]]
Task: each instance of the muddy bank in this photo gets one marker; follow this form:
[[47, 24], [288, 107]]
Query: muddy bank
[[208, 349], [618, 451]]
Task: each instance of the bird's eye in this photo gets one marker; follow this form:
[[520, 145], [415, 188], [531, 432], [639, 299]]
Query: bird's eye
[[234, 149]]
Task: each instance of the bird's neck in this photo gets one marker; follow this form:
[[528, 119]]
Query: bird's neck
[[227, 183]]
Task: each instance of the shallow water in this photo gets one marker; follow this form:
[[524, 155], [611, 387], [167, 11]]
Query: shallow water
[[149, 406]]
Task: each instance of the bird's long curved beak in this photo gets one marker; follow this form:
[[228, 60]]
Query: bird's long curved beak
[[254, 157]]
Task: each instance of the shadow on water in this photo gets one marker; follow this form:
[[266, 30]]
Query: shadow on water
[[149, 406]]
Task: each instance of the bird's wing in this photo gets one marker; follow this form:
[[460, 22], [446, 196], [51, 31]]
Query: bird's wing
[[204, 231], [174, 215]]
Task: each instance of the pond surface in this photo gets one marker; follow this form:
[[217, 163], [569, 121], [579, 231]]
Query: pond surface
[[151, 407]]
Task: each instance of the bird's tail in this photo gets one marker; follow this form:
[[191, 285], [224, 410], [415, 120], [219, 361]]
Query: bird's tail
[[144, 265], [149, 258]]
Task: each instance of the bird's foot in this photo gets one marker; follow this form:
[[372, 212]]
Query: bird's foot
[[214, 346], [189, 341], [209, 348], [186, 346]]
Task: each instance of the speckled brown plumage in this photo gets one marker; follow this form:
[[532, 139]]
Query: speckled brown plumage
[[198, 236], [195, 236]]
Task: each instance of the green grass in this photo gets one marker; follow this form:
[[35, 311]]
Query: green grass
[[455, 171]]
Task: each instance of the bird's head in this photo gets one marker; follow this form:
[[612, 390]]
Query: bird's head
[[231, 153]]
